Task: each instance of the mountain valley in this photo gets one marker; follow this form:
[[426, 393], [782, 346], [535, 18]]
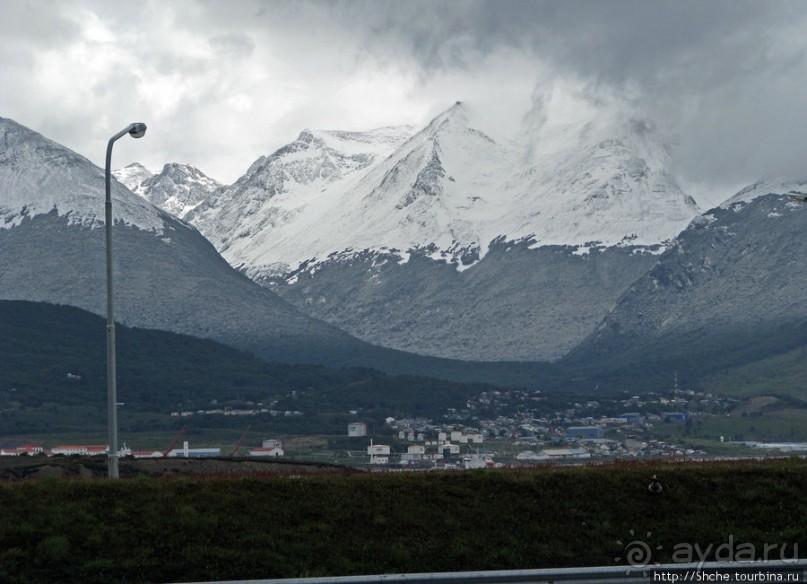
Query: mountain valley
[[448, 243], [586, 253]]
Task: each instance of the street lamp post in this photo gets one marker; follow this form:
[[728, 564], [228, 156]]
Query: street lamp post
[[136, 130]]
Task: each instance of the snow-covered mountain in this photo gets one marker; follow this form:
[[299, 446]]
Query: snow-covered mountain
[[286, 193], [795, 189], [167, 276], [451, 189], [734, 275], [334, 221], [177, 189], [133, 176], [40, 177]]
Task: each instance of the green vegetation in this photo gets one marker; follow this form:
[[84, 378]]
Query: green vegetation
[[53, 378], [783, 374], [53, 381], [779, 425], [147, 530], [742, 363]]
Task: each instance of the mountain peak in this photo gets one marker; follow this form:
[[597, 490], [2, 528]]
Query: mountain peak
[[137, 167], [298, 175], [39, 176], [456, 114], [585, 180], [132, 176], [177, 189], [178, 169], [457, 123], [306, 137]]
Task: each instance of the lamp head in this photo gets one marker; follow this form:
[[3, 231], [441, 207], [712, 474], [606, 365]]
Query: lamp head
[[137, 130]]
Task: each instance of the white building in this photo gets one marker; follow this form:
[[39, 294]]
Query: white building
[[146, 453], [567, 453], [449, 448], [80, 449], [530, 455], [407, 458], [356, 429], [186, 452], [272, 452], [379, 453], [378, 450], [27, 450], [470, 461]]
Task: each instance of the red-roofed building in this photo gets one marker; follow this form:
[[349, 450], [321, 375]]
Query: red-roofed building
[[25, 450]]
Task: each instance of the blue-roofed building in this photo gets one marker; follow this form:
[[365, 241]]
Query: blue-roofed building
[[674, 417]]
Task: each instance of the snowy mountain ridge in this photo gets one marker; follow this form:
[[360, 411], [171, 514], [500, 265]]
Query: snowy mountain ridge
[[168, 276], [571, 208], [133, 176], [177, 189], [64, 182], [765, 187], [307, 175], [448, 191]]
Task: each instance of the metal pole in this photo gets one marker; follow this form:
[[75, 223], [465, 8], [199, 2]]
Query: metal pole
[[136, 130]]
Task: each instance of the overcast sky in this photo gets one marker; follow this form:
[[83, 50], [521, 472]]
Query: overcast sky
[[222, 82]]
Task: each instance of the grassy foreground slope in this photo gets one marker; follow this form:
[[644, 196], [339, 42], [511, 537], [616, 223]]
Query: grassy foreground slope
[[157, 530]]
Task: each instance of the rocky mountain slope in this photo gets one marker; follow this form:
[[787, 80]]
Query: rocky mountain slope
[[735, 275], [455, 244], [167, 275], [449, 189], [298, 185], [177, 189]]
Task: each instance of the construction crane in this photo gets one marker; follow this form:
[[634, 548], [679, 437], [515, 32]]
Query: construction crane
[[240, 441], [174, 441]]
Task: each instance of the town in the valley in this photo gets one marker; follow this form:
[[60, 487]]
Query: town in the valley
[[496, 428]]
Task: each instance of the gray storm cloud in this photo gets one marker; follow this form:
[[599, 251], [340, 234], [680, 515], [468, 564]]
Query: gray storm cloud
[[724, 79]]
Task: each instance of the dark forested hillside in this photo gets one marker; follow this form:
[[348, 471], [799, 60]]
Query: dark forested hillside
[[57, 354]]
